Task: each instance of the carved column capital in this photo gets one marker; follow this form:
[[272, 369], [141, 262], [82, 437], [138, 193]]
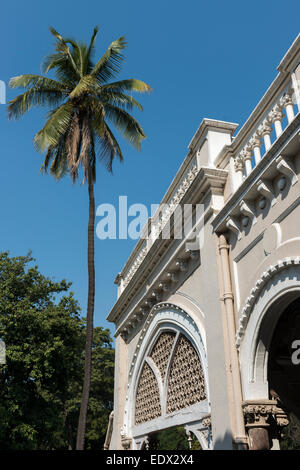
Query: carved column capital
[[255, 140], [276, 114], [286, 100], [259, 413], [207, 422], [265, 128], [239, 162], [246, 153]]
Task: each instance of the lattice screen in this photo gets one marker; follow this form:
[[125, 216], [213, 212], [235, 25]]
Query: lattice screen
[[161, 351], [147, 405], [185, 385], [186, 381]]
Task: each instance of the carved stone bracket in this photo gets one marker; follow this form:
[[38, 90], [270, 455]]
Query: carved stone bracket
[[126, 443], [125, 440], [156, 295], [232, 225], [265, 188], [164, 286], [172, 277], [247, 210], [182, 265], [202, 431], [286, 169]]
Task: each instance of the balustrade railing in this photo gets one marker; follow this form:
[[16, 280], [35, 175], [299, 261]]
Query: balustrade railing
[[269, 129]]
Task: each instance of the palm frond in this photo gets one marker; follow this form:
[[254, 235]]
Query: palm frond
[[126, 124], [37, 82], [51, 152], [110, 63], [56, 126], [62, 68], [131, 84], [117, 98], [62, 46], [92, 42], [40, 97], [86, 84]]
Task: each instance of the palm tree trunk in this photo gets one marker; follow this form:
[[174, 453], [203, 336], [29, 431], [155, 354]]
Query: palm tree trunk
[[89, 321]]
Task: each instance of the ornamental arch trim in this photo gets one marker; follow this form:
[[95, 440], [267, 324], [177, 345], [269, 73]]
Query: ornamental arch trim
[[171, 338], [256, 291], [270, 302]]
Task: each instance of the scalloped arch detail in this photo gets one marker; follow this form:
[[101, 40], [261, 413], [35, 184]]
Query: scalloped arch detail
[[256, 290]]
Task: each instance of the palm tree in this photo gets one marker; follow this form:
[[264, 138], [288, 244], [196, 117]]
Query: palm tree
[[81, 99]]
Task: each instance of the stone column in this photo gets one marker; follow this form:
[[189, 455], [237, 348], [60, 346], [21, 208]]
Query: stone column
[[239, 426]]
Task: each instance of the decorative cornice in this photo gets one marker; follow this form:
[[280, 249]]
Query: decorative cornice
[[285, 63], [207, 124], [154, 295], [136, 264], [254, 293], [157, 227], [206, 180]]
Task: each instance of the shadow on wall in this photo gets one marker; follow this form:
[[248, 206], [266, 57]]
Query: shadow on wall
[[224, 442]]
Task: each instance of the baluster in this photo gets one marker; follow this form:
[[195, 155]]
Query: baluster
[[239, 169], [247, 155], [286, 102], [255, 143], [265, 131], [276, 116]]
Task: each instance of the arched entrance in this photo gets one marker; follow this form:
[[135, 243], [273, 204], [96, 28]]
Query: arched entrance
[[284, 371], [269, 378], [168, 381]]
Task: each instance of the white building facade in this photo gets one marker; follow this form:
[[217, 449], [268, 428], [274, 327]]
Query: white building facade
[[205, 338]]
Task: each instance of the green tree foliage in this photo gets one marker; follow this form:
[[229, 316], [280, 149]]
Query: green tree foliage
[[101, 394], [290, 439], [41, 382], [173, 439]]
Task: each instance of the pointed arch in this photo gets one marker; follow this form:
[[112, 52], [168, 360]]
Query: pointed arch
[[172, 347]]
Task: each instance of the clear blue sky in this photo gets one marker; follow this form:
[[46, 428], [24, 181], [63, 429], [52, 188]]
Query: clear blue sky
[[202, 59]]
